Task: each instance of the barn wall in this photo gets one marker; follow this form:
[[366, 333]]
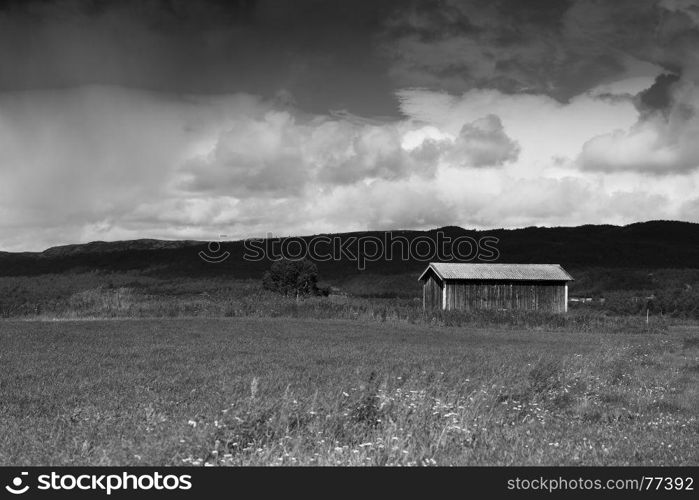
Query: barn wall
[[541, 296], [432, 293]]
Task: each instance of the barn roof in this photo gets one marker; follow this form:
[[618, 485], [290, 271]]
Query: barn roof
[[505, 272]]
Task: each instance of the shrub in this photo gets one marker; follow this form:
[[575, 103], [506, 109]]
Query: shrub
[[292, 277]]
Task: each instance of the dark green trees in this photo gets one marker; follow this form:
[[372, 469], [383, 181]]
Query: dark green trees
[[292, 277]]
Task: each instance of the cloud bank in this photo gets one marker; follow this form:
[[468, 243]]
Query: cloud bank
[[173, 119]]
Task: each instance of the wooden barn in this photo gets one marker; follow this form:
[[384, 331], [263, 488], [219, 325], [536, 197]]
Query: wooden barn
[[540, 287]]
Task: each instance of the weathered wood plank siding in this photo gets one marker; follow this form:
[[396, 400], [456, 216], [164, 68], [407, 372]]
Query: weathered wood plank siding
[[541, 296], [432, 293]]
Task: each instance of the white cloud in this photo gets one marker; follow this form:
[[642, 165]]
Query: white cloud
[[544, 128], [101, 160], [626, 87], [662, 143], [107, 163], [279, 155], [483, 143], [254, 154]]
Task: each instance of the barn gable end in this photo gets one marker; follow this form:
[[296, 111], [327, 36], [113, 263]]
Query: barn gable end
[[432, 290]]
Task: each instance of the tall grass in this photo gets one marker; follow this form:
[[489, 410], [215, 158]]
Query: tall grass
[[249, 300], [574, 410], [257, 391], [92, 295]]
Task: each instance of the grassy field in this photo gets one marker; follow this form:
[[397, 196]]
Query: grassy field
[[292, 391], [132, 296]]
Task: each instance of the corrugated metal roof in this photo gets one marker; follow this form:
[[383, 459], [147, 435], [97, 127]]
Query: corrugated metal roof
[[513, 272]]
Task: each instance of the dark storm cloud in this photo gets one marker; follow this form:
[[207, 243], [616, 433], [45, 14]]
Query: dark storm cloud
[[339, 55], [321, 52], [558, 48], [658, 97]]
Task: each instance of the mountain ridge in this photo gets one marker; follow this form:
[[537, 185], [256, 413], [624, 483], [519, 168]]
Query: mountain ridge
[[655, 243], [178, 243]]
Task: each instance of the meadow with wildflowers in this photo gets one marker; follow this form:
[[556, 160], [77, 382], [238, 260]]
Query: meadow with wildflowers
[[285, 391]]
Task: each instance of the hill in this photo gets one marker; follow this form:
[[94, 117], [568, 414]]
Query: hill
[[647, 245]]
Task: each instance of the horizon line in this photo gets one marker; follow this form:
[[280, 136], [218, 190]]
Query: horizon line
[[271, 235]]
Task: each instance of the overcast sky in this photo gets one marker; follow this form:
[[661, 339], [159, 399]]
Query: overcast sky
[[177, 119]]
